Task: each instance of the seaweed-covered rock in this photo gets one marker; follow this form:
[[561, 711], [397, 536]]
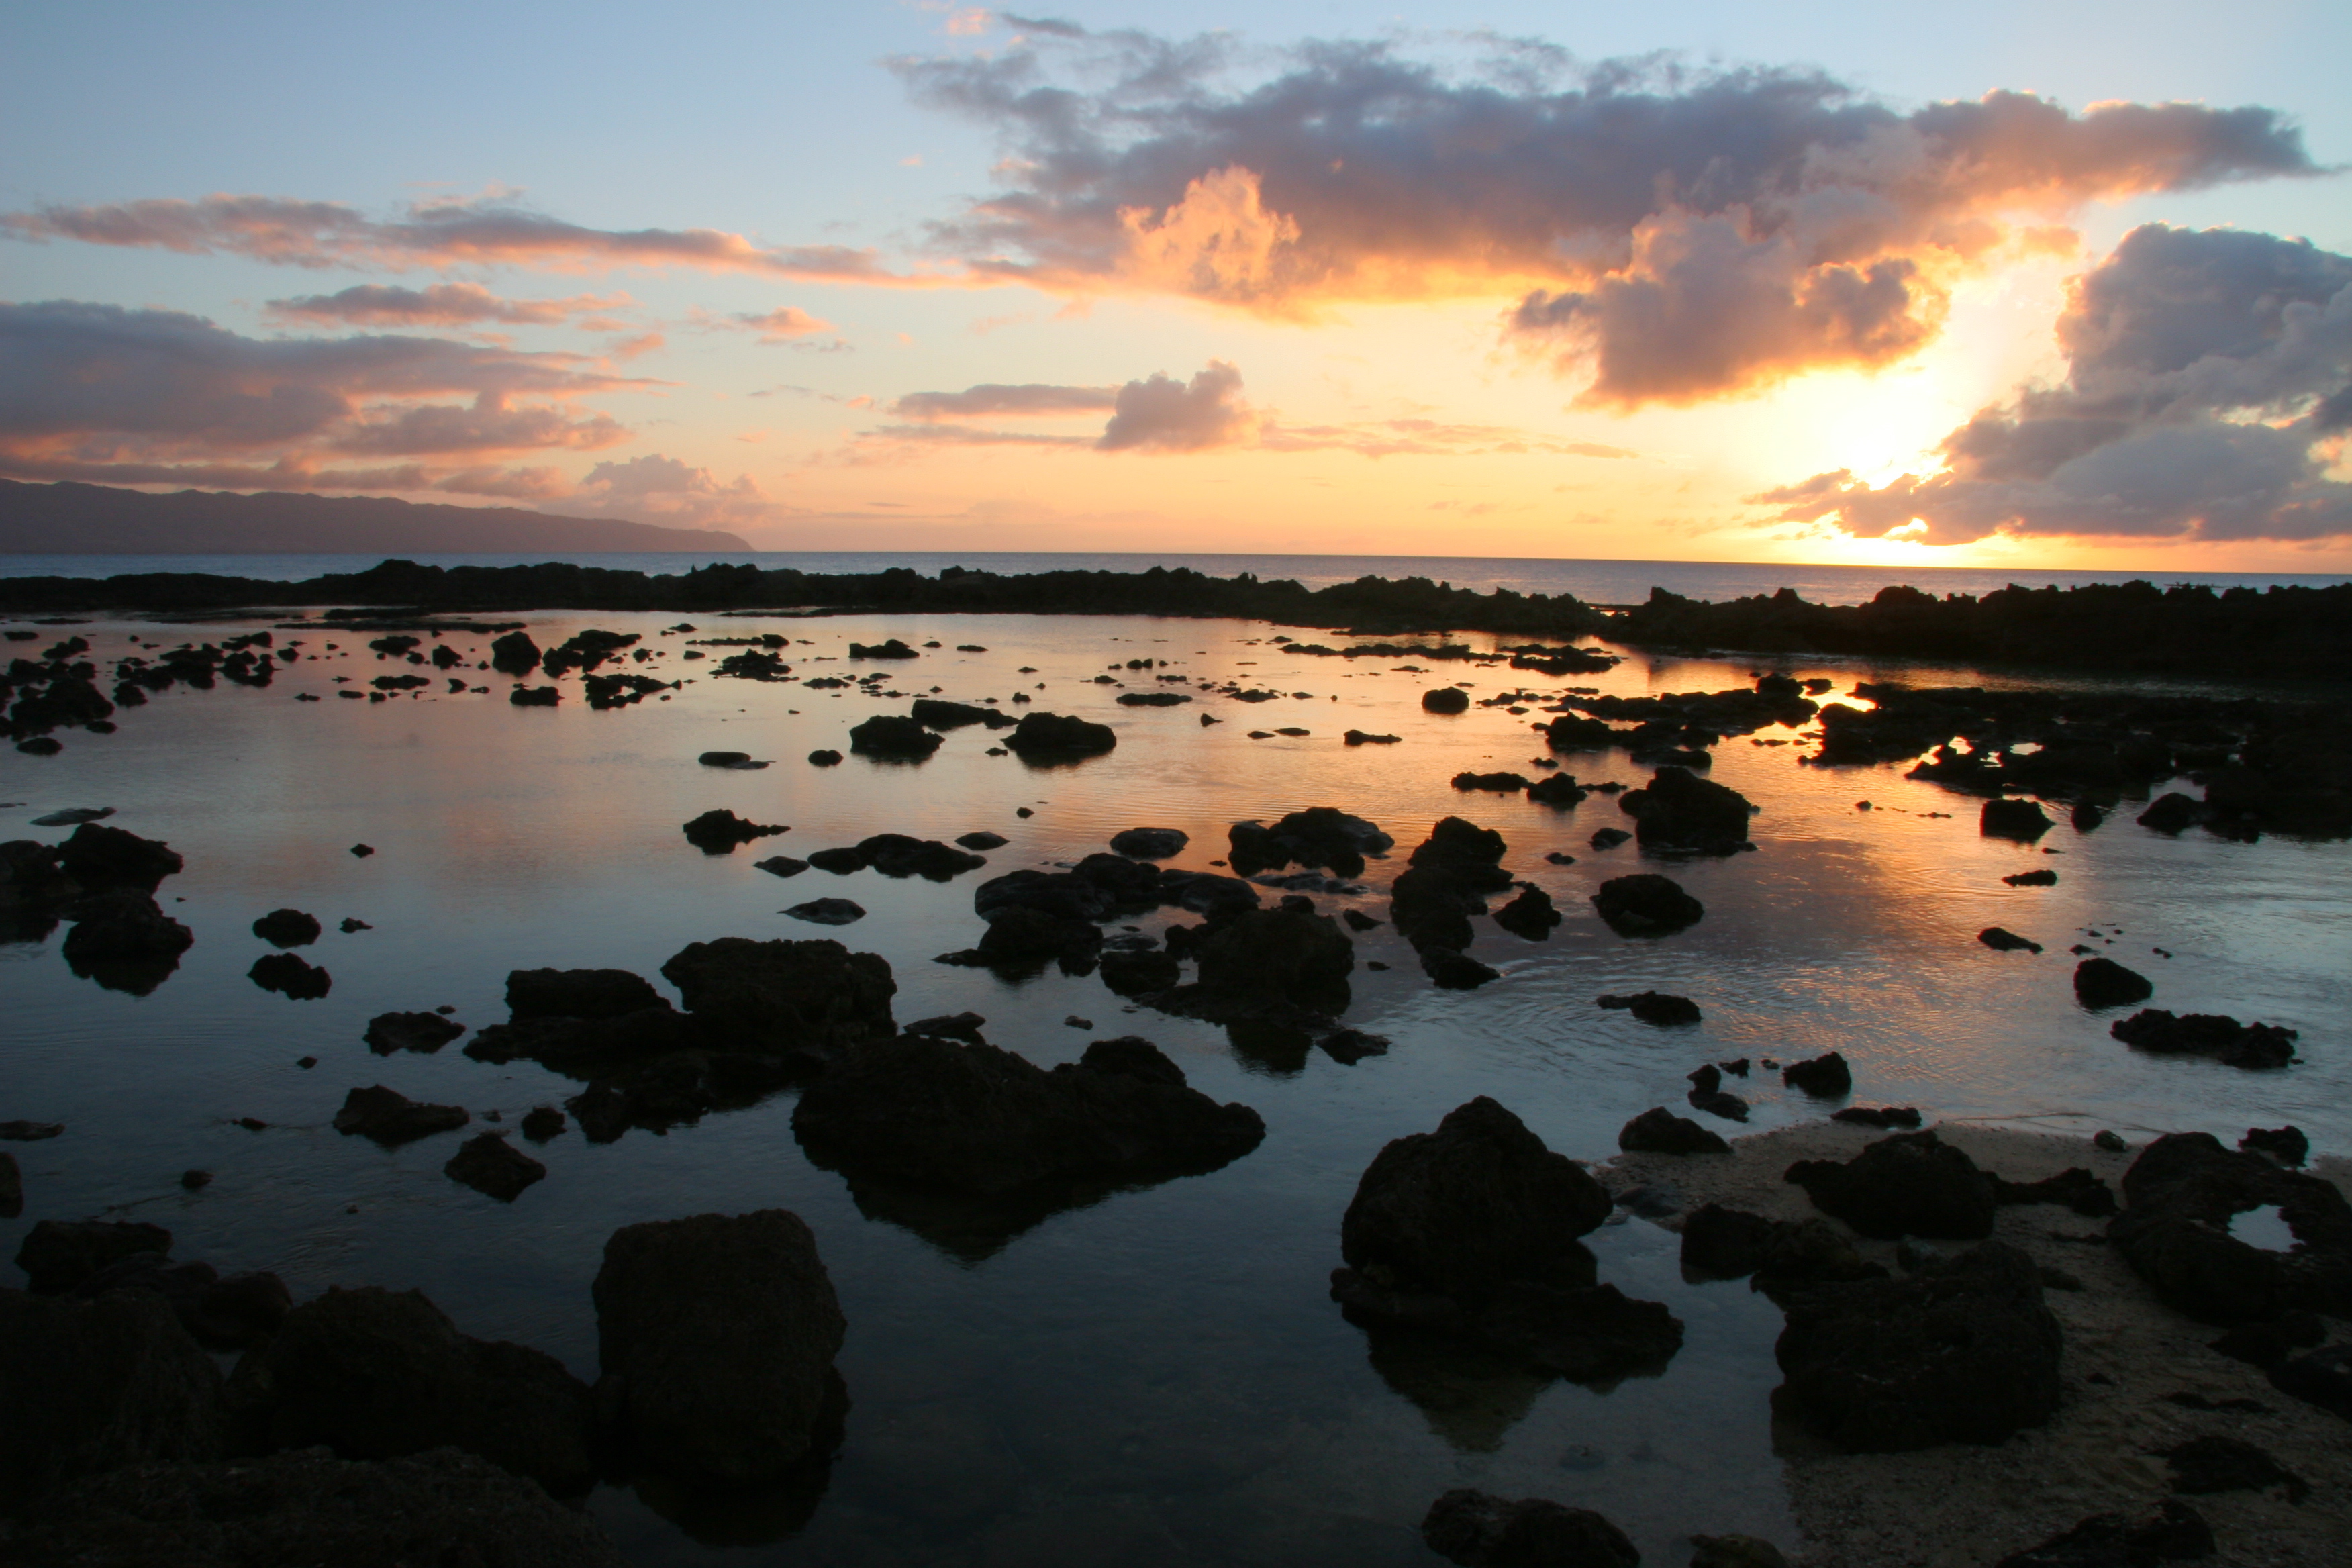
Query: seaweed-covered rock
[[1962, 1351], [2179, 1197], [717, 1334], [1482, 1531], [1646, 904], [1679, 810], [90, 1386], [2103, 983], [1658, 1131], [968, 1117], [2215, 1035], [1913, 1184], [1056, 737], [376, 1375]]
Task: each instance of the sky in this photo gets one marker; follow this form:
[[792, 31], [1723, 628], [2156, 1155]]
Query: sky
[[2052, 284]]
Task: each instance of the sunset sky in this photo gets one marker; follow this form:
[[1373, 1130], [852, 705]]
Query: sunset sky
[[2049, 284]]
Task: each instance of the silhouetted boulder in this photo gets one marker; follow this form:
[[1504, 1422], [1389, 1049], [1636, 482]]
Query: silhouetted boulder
[[2179, 1197], [493, 1167], [1262, 958], [1825, 1077], [1658, 1131], [2022, 820], [933, 713], [1482, 1530], [287, 927], [2215, 1035], [894, 736], [1646, 904], [421, 1032], [1530, 915], [890, 649], [2288, 1145], [1055, 737], [1679, 810], [579, 993], [812, 997], [897, 854], [387, 1117], [1451, 971], [1445, 699], [719, 832], [1140, 973], [98, 856], [290, 976], [1913, 1184], [514, 654], [1150, 843], [2002, 941], [58, 1255], [1321, 835], [2103, 983], [2174, 1532], [2174, 814]]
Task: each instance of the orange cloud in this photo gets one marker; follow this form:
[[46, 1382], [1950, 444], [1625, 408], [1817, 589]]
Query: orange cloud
[[439, 305]]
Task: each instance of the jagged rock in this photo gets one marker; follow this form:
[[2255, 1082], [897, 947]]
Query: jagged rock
[[1653, 1007], [1050, 737], [2103, 983], [2174, 1532], [1646, 904], [1019, 935], [1354, 736], [389, 1118], [1913, 1184], [423, 1032], [783, 996], [893, 736], [376, 1375], [717, 1334], [1785, 1256], [287, 974], [307, 1508], [1482, 1531], [1962, 1351], [1150, 843], [287, 927], [493, 1167], [91, 1385], [1679, 810], [1658, 1131], [1445, 699], [2022, 820], [58, 1255], [98, 857], [2075, 1187], [2288, 1145], [1825, 1077], [719, 832], [2001, 940], [1530, 915], [2180, 1195], [2215, 1035], [933, 1113]]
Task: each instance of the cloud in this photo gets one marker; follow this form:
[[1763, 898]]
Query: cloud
[[1160, 413], [101, 392], [785, 324], [2207, 397], [1425, 438], [1673, 232], [490, 230], [664, 490], [995, 399], [439, 305]]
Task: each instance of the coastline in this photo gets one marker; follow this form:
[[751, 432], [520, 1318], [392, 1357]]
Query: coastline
[[1960, 1506]]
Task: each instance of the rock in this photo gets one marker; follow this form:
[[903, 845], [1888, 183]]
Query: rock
[[221, 1315], [124, 940], [1052, 737], [2174, 814], [893, 736], [719, 832], [579, 993], [951, 1026], [1150, 699], [2215, 1035], [1962, 1351], [934, 714], [828, 911], [2002, 941], [12, 1187], [1445, 699], [2203, 1465], [812, 997], [1646, 904], [983, 840], [1261, 957], [841, 862], [290, 976], [2179, 1197], [1658, 1131], [1906, 1116], [2288, 1145], [824, 757], [351, 925], [1610, 837], [1150, 843], [302, 1509], [389, 1118], [1726, 1244], [1679, 810], [935, 1113], [100, 857], [728, 760], [1653, 1007], [1357, 919], [891, 648], [1785, 1258], [530, 696], [1530, 915], [1913, 1184], [1482, 1530], [494, 1167], [542, 1123], [1359, 738], [1825, 1077], [92, 1386], [2022, 820], [1019, 935], [781, 866], [1140, 973], [1451, 971], [1735, 1551], [2109, 1140], [2044, 878], [1321, 835], [897, 854], [2076, 1188], [2173, 1532], [377, 1374], [514, 654], [29, 1132], [58, 1255], [2322, 1378], [287, 927], [2103, 983], [423, 1032], [1496, 784]]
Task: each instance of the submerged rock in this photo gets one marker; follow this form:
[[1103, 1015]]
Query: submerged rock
[[812, 997], [828, 911]]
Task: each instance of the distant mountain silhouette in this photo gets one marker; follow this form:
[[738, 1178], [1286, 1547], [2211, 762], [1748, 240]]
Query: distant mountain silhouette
[[97, 519]]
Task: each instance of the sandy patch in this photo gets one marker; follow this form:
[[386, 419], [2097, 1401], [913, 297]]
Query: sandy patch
[[1966, 1507]]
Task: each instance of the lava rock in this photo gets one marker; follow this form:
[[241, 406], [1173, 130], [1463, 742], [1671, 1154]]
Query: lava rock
[[493, 1167], [1658, 1131], [1679, 810], [1482, 1530], [1913, 1184], [2180, 1195], [719, 832], [290, 976], [2103, 983], [1825, 1077], [422, 1032], [287, 927], [1646, 904], [2215, 1035], [387, 1117], [2022, 820], [1653, 1007], [1150, 843]]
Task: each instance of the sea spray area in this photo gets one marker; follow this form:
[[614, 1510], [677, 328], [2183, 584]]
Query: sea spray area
[[1053, 1294]]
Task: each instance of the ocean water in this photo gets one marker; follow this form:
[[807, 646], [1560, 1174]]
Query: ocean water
[[1158, 1377], [1594, 582]]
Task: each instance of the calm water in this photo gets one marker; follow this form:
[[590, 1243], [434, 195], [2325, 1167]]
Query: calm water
[[1594, 582], [1159, 1378]]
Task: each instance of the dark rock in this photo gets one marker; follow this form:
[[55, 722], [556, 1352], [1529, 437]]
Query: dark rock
[[728, 760], [2174, 814], [1559, 791], [2288, 1145], [1785, 1258], [1053, 737], [390, 1118], [824, 757], [934, 714], [1962, 1351], [828, 911], [812, 997], [1263, 957], [91, 1385], [12, 1187], [1348, 1046], [841, 861], [1445, 699], [1530, 915], [1610, 837], [494, 1167], [1653, 1007], [1735, 1551], [893, 736], [890, 649], [2179, 1197], [1482, 1530], [1151, 699], [1021, 934], [2267, 1344], [423, 1032], [950, 1026], [377, 1374], [2174, 1532], [1646, 904], [579, 993], [781, 866], [897, 854], [58, 1255], [2044, 878], [1879, 1115], [1658, 1131], [1913, 1184], [287, 927], [1321, 835], [2002, 941], [2103, 983], [514, 654], [719, 832], [123, 941], [2076, 1188], [1825, 1077], [1496, 783], [717, 1334], [2022, 820], [98, 857], [1359, 738], [2215, 1035], [1451, 971], [2203, 1465], [2322, 1378], [351, 925], [1150, 843], [290, 976], [530, 696], [1726, 1244], [1679, 810], [1140, 973], [983, 840]]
